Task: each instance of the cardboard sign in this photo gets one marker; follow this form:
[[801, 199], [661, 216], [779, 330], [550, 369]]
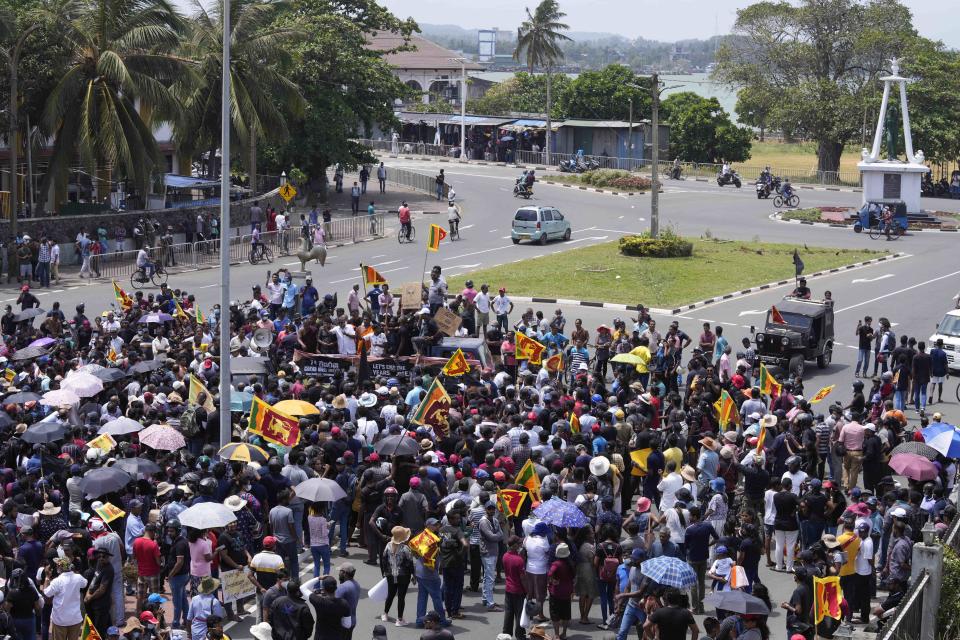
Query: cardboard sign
[[411, 296], [236, 585], [447, 321]]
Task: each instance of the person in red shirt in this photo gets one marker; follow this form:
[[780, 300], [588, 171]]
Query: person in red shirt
[[560, 588], [147, 552], [514, 568]]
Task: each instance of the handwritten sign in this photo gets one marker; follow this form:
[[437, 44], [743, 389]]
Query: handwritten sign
[[447, 321], [236, 585], [411, 296]]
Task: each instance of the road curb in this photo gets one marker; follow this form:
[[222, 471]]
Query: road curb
[[776, 217], [593, 189], [702, 303]]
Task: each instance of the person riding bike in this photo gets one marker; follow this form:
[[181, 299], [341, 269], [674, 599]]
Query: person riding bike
[[144, 263], [453, 218], [256, 245], [675, 172], [404, 213], [765, 176], [786, 190], [886, 221]]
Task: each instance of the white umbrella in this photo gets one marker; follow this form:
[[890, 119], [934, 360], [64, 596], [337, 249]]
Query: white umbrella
[[60, 398], [121, 426], [83, 384], [319, 490], [91, 368], [207, 515]]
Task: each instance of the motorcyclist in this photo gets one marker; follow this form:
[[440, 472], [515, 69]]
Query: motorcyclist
[[765, 176], [530, 179], [725, 171]]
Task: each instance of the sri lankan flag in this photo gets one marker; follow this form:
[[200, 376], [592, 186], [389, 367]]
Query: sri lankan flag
[[510, 501], [9, 374], [196, 386], [89, 632], [433, 408], [554, 363], [527, 477], [529, 349], [179, 313], [574, 423], [437, 233], [761, 439], [272, 425], [823, 393], [199, 316], [426, 544], [456, 365], [125, 301], [110, 512], [372, 276], [768, 384], [827, 595], [727, 409]]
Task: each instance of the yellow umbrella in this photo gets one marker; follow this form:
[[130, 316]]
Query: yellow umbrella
[[296, 408], [627, 358], [242, 452]]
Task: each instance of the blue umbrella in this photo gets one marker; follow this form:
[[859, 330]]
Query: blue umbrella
[[943, 437], [241, 401], [670, 572], [561, 513]]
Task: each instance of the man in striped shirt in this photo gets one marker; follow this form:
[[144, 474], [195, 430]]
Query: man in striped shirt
[[474, 516], [43, 262]]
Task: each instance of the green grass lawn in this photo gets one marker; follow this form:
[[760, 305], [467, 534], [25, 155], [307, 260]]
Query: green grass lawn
[[799, 156], [600, 273]]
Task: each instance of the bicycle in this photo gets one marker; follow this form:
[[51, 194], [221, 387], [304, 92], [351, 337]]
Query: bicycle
[[790, 201], [260, 252], [454, 230], [139, 279], [889, 229], [409, 236]]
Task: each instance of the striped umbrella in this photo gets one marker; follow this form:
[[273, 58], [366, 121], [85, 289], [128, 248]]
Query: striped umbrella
[[943, 437], [243, 452]]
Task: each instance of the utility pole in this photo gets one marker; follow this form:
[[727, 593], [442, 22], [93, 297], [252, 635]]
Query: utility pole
[[30, 195], [463, 107], [630, 138], [655, 157], [226, 423]]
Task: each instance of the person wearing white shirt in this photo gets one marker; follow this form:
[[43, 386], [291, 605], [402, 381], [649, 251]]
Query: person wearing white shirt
[[502, 308], [160, 346], [481, 303], [66, 615], [668, 487], [346, 338]]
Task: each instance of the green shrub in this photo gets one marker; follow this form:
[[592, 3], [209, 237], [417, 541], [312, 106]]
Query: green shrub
[[615, 178], [668, 245], [949, 594], [806, 215]]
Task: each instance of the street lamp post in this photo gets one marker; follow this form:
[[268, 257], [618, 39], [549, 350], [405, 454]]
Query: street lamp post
[[463, 106], [226, 424], [654, 152]]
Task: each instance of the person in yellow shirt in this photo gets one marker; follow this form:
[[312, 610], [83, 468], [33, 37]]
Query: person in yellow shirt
[[642, 351]]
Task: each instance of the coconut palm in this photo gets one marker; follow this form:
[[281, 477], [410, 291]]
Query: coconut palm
[[116, 79], [538, 41], [260, 93]]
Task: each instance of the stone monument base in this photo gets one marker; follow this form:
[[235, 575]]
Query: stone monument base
[[891, 181]]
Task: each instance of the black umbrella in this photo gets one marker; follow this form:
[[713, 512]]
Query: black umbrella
[[89, 408], [139, 468], [737, 601], [44, 432], [110, 375], [28, 353], [397, 446], [104, 480], [917, 448], [21, 398], [146, 366], [28, 314], [5, 420]]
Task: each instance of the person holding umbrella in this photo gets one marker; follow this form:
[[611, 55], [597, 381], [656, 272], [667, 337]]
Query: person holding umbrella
[[110, 541]]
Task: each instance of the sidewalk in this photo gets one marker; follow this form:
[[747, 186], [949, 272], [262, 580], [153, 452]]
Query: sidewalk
[[339, 203]]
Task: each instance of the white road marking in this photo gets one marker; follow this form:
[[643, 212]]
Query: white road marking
[[207, 286], [505, 237], [899, 291], [382, 255], [883, 277], [752, 312], [464, 266], [468, 226], [492, 230]]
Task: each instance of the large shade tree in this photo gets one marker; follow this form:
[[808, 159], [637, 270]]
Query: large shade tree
[[538, 44], [119, 68]]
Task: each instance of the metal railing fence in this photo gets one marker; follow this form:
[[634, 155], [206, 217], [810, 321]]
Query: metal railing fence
[[906, 620]]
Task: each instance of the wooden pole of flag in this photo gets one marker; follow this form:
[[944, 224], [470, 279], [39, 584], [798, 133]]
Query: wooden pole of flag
[[363, 286]]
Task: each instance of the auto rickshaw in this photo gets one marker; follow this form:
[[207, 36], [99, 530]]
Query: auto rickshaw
[[870, 216]]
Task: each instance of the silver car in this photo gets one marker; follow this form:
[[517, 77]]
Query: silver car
[[539, 224]]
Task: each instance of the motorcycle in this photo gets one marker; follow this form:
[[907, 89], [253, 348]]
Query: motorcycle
[[763, 190], [733, 178], [521, 190], [571, 166]]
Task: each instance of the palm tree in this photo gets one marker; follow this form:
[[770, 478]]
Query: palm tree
[[117, 76], [538, 40], [260, 92]]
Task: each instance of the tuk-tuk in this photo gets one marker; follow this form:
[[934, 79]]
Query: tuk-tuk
[[870, 215]]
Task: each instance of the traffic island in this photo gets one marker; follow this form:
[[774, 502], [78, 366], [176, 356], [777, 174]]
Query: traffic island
[[601, 273]]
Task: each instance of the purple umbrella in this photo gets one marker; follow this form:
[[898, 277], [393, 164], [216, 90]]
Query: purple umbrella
[[913, 466], [41, 342]]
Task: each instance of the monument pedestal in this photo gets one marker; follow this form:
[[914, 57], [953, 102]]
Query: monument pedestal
[[891, 181]]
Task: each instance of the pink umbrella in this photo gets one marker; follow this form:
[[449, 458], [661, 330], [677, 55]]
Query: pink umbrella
[[859, 509], [163, 437], [41, 342], [913, 466]]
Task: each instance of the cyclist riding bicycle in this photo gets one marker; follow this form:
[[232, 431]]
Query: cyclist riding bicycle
[[404, 213], [255, 244], [453, 218], [786, 190], [886, 221], [144, 263]]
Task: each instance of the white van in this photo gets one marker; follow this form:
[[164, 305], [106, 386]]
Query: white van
[[949, 331]]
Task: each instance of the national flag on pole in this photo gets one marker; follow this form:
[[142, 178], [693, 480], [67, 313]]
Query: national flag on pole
[[528, 349], [510, 501], [768, 384], [179, 313], [437, 233], [761, 439], [372, 276], [727, 412], [125, 301], [797, 263], [554, 363], [104, 442], [110, 512], [574, 423], [88, 631], [823, 393], [199, 316], [827, 595], [775, 316], [527, 477], [433, 409], [456, 365], [272, 425], [197, 386], [426, 544]]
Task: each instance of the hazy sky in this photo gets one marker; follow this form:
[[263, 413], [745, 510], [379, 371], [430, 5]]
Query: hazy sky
[[665, 20]]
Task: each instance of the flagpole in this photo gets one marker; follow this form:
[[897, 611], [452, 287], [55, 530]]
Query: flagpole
[[363, 284]]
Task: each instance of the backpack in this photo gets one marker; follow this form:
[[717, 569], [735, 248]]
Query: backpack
[[188, 421], [589, 508], [611, 562]]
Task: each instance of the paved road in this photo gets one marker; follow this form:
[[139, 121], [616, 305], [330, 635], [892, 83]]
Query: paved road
[[912, 291]]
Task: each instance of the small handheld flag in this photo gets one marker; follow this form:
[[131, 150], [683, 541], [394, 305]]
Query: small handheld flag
[[768, 384], [437, 233], [529, 349], [372, 276], [823, 393], [457, 364], [574, 423], [125, 301], [554, 363], [109, 512], [827, 595]]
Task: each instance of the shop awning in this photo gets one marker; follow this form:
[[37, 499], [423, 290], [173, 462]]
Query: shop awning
[[525, 124], [188, 182], [476, 121]]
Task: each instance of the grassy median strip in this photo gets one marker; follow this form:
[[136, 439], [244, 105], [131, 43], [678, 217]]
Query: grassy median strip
[[600, 273]]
